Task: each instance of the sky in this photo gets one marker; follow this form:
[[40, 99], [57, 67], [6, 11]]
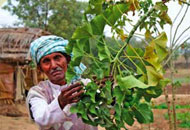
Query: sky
[[6, 20]]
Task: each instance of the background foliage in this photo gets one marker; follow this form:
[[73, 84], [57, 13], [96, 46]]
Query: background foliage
[[60, 17]]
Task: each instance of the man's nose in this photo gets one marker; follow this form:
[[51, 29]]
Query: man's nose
[[53, 64]]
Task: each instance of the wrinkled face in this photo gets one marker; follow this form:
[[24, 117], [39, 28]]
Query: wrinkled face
[[54, 66]]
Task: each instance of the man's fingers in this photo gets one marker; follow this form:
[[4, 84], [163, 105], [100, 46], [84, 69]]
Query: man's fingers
[[76, 95], [73, 90], [71, 87]]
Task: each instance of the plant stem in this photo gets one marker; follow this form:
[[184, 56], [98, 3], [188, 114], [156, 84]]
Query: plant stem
[[184, 2], [173, 93], [142, 19]]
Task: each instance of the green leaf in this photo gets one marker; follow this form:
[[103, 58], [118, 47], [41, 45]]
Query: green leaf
[[143, 113], [160, 6], [127, 117], [118, 111], [113, 13], [153, 76], [103, 51], [151, 57], [130, 82], [161, 48], [164, 16], [84, 31], [92, 91], [70, 74], [119, 94], [74, 109], [164, 82], [94, 7], [78, 52], [107, 91], [98, 24], [92, 109]]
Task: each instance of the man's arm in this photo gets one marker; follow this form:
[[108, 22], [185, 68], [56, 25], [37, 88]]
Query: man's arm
[[47, 114], [57, 111]]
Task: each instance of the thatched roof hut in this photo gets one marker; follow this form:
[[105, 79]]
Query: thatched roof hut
[[15, 42], [14, 56]]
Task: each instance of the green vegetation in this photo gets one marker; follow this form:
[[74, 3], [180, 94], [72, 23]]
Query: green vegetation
[[60, 17], [184, 119], [183, 79], [138, 71], [164, 106]]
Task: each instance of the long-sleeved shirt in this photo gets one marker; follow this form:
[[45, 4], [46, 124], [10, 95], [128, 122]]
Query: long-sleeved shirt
[[42, 101]]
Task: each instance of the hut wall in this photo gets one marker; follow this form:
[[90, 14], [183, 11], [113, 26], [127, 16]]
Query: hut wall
[[7, 89]]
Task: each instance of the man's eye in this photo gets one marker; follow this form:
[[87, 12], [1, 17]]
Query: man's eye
[[57, 57], [46, 61]]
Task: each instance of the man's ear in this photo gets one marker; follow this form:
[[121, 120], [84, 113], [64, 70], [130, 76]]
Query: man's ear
[[39, 68], [68, 59]]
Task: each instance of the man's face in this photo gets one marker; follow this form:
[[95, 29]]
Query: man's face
[[54, 66]]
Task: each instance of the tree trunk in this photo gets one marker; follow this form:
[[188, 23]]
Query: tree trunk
[[173, 94], [168, 105]]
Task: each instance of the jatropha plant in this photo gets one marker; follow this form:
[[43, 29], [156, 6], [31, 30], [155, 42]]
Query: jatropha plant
[[137, 72]]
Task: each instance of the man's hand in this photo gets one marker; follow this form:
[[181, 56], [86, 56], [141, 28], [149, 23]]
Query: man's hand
[[70, 94]]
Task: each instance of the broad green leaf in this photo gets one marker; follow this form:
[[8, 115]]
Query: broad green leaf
[[103, 51], [84, 31], [107, 91], [165, 17], [164, 82], [78, 52], [148, 35], [130, 82], [127, 117], [153, 76], [98, 24], [94, 7], [131, 51], [160, 44], [113, 13], [143, 113], [74, 109], [160, 6], [70, 74], [118, 111], [151, 57], [119, 94], [92, 109]]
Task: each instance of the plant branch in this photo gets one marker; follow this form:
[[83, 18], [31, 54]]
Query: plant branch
[[133, 31], [179, 25], [184, 2], [182, 34], [173, 24]]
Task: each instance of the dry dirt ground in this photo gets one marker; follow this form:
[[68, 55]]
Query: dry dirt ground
[[23, 122]]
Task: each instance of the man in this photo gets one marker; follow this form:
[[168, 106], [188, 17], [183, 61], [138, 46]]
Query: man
[[49, 102]]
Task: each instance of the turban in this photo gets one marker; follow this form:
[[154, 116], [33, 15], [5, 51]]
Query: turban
[[46, 45]]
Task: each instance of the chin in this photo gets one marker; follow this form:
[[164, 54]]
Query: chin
[[58, 80]]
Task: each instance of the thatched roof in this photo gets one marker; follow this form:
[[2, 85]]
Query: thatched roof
[[15, 42]]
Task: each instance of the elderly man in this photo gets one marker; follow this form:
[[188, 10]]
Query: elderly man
[[49, 102]]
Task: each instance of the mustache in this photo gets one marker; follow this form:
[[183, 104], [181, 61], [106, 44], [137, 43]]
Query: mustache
[[56, 69]]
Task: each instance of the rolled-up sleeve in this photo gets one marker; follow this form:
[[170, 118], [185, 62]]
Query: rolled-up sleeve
[[46, 114]]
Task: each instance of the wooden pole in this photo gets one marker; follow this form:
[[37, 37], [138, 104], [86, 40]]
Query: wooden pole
[[34, 76]]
